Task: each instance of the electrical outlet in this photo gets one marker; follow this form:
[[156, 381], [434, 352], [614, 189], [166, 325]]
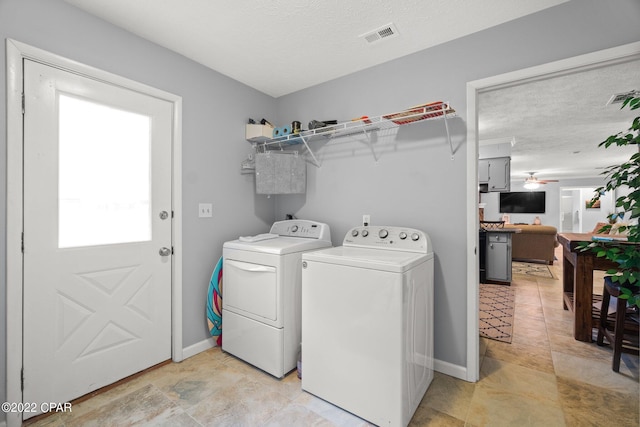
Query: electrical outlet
[[366, 220], [205, 210]]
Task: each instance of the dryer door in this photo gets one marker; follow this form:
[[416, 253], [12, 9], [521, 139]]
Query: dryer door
[[251, 290]]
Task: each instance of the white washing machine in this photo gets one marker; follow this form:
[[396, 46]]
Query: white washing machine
[[261, 293], [367, 323]]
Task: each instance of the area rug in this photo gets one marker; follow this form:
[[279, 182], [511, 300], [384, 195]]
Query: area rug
[[496, 312], [532, 269]]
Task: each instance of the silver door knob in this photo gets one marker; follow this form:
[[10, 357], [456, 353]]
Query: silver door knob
[[164, 215], [164, 251]]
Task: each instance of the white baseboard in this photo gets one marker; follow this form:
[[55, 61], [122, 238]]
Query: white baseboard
[[196, 348], [446, 368], [450, 369]]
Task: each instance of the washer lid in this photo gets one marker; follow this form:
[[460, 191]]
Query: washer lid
[[370, 258], [279, 245]]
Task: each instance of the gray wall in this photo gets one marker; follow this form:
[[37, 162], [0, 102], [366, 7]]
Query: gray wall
[[415, 183]]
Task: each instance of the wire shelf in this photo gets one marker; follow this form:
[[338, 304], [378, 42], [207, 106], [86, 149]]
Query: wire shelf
[[432, 111]]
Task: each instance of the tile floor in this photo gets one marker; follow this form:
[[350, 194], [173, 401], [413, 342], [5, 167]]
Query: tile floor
[[543, 378]]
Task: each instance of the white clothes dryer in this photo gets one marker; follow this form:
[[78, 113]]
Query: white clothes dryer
[[261, 317], [367, 323]]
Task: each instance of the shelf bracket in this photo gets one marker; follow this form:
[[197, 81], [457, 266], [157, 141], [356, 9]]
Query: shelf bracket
[[370, 144], [315, 160], [446, 125]]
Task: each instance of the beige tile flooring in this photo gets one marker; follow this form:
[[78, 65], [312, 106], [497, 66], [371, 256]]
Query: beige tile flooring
[[543, 378]]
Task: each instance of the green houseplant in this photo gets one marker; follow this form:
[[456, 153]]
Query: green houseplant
[[627, 174]]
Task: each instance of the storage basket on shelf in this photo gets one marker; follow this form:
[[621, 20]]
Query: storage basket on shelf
[[491, 225]]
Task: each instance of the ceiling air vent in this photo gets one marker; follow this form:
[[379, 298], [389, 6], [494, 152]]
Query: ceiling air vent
[[618, 98], [385, 32]]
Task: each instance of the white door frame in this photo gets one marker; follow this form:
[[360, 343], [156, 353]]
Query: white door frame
[[565, 66], [16, 52]]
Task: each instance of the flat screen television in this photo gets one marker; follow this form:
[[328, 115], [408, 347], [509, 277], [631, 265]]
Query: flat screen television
[[522, 202]]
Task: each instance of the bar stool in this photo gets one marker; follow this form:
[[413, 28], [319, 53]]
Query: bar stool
[[620, 328]]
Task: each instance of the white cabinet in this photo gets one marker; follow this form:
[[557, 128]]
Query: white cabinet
[[483, 171], [496, 173], [498, 257]]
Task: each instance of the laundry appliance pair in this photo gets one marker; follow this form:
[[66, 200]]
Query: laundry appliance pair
[[363, 312]]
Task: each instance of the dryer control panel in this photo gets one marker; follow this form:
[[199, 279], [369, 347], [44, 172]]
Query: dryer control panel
[[301, 228], [389, 238]]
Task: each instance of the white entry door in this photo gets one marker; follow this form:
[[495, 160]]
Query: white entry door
[[97, 233]]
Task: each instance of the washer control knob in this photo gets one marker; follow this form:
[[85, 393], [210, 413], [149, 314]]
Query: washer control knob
[[354, 233], [415, 237], [294, 228], [383, 233], [403, 235], [365, 233]]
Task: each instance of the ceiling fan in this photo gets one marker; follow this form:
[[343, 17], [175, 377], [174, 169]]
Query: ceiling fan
[[531, 183]]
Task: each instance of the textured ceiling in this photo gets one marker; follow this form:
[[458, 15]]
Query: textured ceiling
[[558, 122], [281, 46]]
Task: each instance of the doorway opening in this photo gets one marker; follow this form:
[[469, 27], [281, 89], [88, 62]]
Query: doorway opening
[[602, 58]]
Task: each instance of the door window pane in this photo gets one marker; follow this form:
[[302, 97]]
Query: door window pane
[[104, 174]]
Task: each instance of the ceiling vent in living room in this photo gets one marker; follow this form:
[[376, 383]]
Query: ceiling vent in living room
[[385, 32], [618, 98]]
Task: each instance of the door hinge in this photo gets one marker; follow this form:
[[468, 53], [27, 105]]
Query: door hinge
[[22, 242], [171, 250], [23, 103], [171, 214], [22, 379]]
